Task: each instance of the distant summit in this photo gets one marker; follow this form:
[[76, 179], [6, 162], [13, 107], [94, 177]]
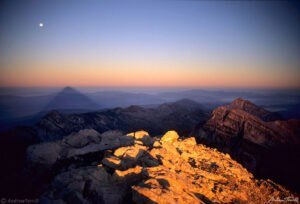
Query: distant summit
[[253, 109], [256, 138], [69, 99], [69, 90]]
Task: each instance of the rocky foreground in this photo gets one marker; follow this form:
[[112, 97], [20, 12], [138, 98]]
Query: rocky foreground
[[137, 168]]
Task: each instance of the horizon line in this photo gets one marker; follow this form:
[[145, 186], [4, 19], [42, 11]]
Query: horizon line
[[156, 86]]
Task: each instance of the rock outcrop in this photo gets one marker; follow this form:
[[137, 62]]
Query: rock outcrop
[[250, 135], [167, 170], [77, 144]]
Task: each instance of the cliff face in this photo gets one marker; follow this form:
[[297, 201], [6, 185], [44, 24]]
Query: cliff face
[[251, 136], [161, 170], [230, 123]]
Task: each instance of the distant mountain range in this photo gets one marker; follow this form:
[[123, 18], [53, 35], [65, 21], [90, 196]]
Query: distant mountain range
[[181, 116], [20, 110]]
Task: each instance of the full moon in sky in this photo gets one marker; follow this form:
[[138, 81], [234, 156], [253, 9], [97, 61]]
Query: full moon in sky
[[41, 24]]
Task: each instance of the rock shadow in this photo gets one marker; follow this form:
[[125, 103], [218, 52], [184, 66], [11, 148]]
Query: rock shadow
[[203, 198]]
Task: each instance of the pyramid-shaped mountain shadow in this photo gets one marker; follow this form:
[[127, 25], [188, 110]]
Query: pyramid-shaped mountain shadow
[[69, 99]]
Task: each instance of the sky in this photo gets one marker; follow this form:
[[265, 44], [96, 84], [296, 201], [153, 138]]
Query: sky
[[182, 43]]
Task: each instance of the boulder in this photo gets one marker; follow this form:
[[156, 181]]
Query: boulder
[[130, 155], [142, 136], [83, 138], [85, 185], [112, 161], [76, 144], [170, 136], [44, 154], [129, 176]]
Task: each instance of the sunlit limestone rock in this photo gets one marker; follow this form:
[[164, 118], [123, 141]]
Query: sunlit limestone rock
[[189, 142], [143, 137], [174, 170], [191, 173], [138, 142], [170, 136], [166, 155], [128, 176], [130, 154], [156, 144], [112, 161]]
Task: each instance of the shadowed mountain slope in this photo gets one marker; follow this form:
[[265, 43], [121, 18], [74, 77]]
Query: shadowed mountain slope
[[181, 116]]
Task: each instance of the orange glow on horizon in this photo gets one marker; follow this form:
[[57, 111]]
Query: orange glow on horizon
[[143, 73]]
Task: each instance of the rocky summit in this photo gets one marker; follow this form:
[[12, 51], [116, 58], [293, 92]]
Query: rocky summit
[[144, 169]]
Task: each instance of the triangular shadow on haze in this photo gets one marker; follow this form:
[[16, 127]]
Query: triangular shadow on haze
[[69, 99]]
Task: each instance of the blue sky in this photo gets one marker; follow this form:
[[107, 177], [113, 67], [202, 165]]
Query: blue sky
[[103, 41]]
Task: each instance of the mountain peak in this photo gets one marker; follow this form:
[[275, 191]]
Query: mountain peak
[[69, 89], [245, 105], [240, 102], [253, 109], [240, 99]]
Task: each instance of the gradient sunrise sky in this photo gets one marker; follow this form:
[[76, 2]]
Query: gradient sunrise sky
[[150, 43]]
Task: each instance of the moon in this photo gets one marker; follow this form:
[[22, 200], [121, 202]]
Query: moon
[[41, 24]]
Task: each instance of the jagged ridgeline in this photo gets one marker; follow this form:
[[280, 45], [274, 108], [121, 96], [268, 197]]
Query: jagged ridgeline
[[138, 168], [181, 116]]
